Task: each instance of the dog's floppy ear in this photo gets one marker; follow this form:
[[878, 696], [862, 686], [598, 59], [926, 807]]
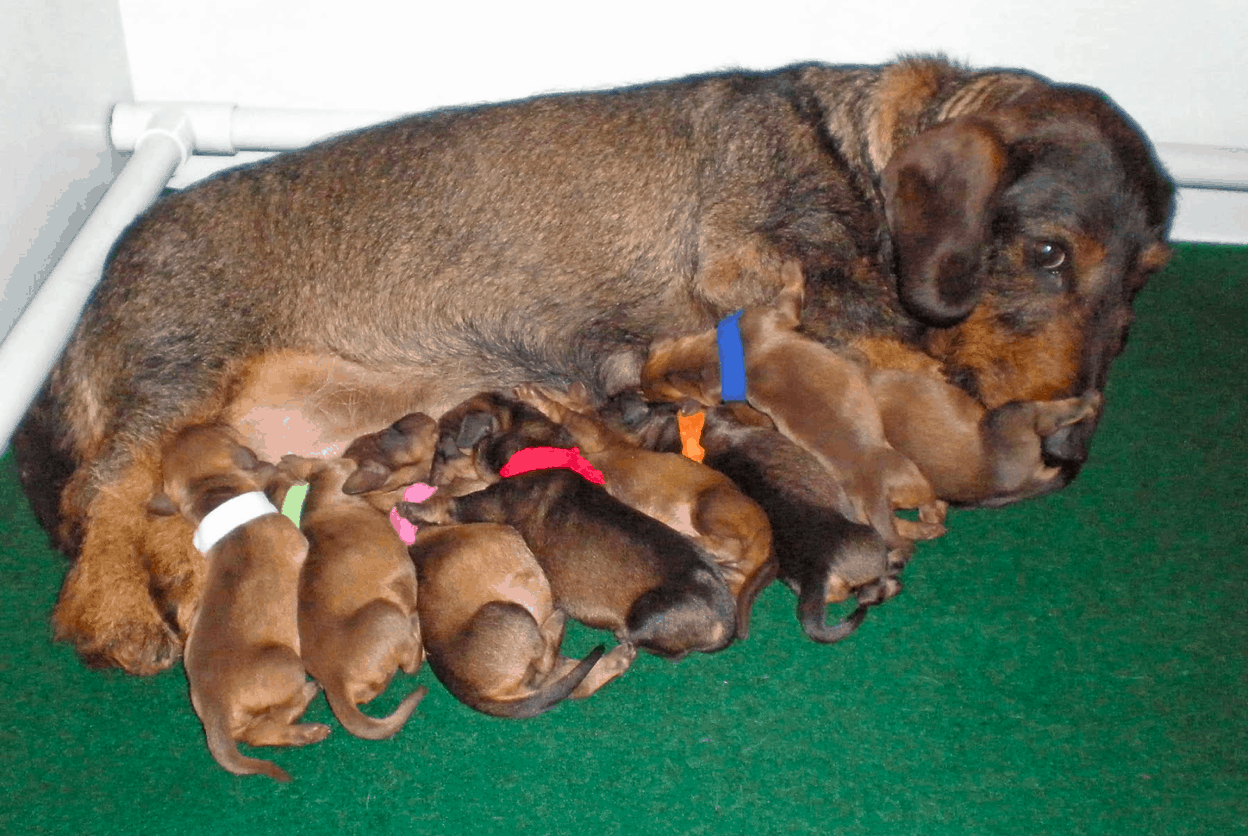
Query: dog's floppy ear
[[939, 191]]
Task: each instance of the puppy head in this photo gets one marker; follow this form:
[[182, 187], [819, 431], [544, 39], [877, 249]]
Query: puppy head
[[682, 368], [648, 425], [203, 465], [399, 455], [476, 438]]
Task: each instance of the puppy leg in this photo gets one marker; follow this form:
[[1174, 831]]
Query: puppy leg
[[277, 727], [105, 606], [737, 534], [613, 663]]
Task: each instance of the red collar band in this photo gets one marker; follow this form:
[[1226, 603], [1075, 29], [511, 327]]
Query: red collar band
[[552, 458]]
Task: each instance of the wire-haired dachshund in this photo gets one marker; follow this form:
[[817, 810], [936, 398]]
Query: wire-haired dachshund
[[993, 220]]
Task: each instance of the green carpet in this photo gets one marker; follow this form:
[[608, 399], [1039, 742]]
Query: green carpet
[[1072, 665]]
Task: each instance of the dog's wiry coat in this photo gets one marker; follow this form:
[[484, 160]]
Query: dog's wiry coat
[[407, 266]]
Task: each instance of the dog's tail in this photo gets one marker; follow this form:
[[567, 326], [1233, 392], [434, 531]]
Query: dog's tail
[[224, 751], [812, 614], [359, 723], [546, 698]]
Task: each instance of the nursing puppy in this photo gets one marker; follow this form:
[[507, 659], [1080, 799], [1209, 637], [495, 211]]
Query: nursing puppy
[[491, 630], [973, 456], [691, 498], [629, 582], [242, 655], [358, 622], [822, 556], [815, 397]]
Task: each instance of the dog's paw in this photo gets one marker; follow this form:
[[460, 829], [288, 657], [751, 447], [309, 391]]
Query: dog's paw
[[141, 648]]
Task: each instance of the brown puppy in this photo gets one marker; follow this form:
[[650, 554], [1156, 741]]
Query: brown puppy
[[357, 596], [993, 220], [816, 397], [974, 456], [822, 556], [491, 630], [242, 655], [679, 492]]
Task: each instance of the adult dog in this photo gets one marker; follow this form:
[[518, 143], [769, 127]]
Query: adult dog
[[994, 221]]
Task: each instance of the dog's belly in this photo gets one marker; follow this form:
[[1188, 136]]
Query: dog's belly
[[315, 405]]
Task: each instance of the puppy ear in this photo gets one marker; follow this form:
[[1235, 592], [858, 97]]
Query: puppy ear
[[161, 505], [244, 458], [939, 191], [474, 427], [369, 476]]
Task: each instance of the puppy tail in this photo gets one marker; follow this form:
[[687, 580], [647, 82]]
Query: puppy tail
[[370, 728], [548, 697], [812, 614], [224, 751]]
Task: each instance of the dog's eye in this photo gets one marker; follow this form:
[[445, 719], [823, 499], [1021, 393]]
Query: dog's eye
[[1048, 256]]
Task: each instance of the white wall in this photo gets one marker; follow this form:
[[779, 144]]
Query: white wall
[[1178, 68], [62, 65]]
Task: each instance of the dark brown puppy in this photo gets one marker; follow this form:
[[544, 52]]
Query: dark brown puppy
[[993, 220], [689, 497], [357, 598], [491, 629], [817, 397], [477, 437], [242, 655], [822, 556]]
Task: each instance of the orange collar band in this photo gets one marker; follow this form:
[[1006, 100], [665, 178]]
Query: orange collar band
[[691, 435]]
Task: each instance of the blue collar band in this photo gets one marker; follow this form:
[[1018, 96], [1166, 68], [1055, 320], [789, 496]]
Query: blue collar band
[[731, 358]]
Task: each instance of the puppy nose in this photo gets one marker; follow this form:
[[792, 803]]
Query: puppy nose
[[1068, 446]]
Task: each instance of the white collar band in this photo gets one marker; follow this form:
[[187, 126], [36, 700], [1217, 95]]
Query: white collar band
[[229, 515]]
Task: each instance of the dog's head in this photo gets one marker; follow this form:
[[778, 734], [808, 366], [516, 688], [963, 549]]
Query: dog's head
[[476, 438], [1022, 231]]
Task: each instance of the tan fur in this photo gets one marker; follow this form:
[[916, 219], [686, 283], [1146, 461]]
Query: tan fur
[[311, 298]]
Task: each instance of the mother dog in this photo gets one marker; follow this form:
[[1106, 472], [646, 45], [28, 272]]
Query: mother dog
[[989, 224]]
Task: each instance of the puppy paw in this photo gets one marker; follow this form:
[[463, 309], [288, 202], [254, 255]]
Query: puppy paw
[[436, 510]]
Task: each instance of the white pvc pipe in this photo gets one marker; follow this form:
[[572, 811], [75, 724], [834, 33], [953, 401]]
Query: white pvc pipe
[[227, 129], [35, 342], [1205, 166]]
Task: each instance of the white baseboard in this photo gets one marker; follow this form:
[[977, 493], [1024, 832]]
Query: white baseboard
[[1212, 216]]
